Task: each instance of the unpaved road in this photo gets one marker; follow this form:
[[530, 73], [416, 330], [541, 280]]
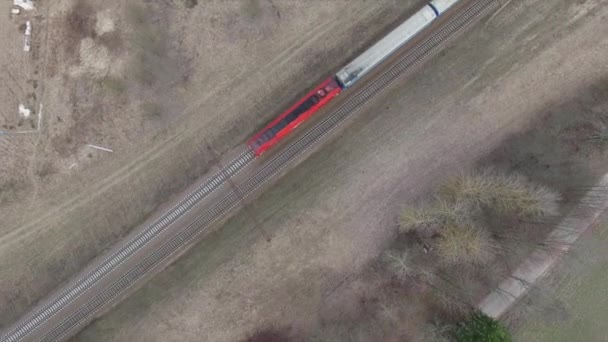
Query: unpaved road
[[333, 213]]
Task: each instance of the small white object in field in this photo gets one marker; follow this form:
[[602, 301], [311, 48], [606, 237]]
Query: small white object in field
[[39, 116], [27, 42], [24, 111], [15, 10], [27, 5], [100, 148], [105, 22], [27, 45]]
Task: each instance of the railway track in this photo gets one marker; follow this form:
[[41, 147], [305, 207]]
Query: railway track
[[228, 202], [134, 244]]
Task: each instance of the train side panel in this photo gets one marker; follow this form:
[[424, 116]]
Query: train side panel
[[373, 56]]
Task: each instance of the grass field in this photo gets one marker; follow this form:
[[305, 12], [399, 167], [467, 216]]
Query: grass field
[[574, 303]]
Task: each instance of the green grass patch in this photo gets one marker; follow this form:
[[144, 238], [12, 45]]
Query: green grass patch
[[251, 9], [580, 285], [117, 86]]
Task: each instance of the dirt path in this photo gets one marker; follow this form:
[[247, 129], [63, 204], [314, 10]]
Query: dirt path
[[333, 213]]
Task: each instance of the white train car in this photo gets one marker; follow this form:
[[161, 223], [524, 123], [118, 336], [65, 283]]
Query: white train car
[[441, 6], [373, 56]]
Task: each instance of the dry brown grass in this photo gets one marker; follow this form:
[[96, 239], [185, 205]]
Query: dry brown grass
[[116, 85], [435, 333], [11, 189], [270, 334], [151, 62]]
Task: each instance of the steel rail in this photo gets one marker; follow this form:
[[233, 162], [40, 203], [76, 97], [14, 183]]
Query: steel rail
[[275, 165], [129, 248]]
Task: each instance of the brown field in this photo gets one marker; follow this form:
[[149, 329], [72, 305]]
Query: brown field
[[154, 81], [334, 213]]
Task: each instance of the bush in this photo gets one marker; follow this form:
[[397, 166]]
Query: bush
[[434, 333], [115, 85], [481, 328], [505, 194], [465, 244], [269, 335], [435, 217], [349, 331]]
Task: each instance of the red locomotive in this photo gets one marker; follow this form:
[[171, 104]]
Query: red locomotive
[[294, 116]]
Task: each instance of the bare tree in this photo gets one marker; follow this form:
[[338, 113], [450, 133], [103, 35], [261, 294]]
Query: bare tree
[[400, 264]]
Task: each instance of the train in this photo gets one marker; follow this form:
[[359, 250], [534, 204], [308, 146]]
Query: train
[[346, 77]]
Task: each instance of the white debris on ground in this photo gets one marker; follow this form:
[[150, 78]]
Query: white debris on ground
[[27, 5], [100, 148], [24, 111], [105, 22], [15, 10], [27, 44]]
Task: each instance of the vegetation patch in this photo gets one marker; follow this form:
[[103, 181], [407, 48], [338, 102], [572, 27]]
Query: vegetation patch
[[481, 328], [155, 68], [190, 3], [270, 334], [11, 189], [252, 8], [117, 86]]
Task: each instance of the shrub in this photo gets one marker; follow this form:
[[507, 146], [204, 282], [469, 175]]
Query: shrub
[[465, 244], [115, 85], [349, 331], [269, 335], [505, 194], [435, 217], [434, 333], [451, 300], [481, 328], [152, 110]]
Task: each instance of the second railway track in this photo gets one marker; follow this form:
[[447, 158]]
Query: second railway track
[[355, 101]]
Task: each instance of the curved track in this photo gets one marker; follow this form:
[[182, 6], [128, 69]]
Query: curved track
[[216, 211]]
